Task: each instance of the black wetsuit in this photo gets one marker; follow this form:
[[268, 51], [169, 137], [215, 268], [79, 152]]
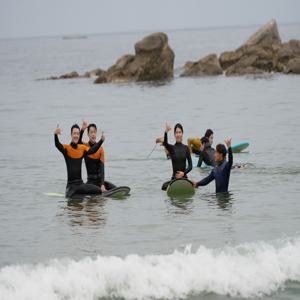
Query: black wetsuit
[[207, 156], [220, 173], [73, 154], [179, 154], [95, 166]]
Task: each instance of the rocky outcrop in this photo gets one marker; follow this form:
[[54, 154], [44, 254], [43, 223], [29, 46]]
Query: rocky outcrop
[[293, 66], [74, 74], [153, 60], [257, 55], [263, 52], [207, 66]]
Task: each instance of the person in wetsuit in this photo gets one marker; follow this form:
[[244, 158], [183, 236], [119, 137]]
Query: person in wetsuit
[[206, 152], [95, 162], [73, 154], [222, 169], [179, 154]]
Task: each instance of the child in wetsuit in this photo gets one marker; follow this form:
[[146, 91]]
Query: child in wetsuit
[[221, 171]]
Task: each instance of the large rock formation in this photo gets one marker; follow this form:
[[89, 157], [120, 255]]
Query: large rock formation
[[262, 52], [209, 65], [153, 60], [257, 55]]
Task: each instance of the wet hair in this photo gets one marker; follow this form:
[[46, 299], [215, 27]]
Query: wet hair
[[208, 133], [91, 126], [75, 126], [204, 140], [221, 149], [178, 125]]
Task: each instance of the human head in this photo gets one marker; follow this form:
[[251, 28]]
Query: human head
[[220, 153], [75, 133], [178, 132], [210, 135], [92, 132]]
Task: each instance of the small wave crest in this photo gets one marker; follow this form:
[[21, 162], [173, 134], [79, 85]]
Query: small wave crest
[[247, 270]]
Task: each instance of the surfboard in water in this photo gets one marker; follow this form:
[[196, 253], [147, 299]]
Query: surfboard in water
[[237, 148], [118, 192], [180, 188]]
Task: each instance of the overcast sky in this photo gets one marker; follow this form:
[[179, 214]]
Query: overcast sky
[[24, 18]]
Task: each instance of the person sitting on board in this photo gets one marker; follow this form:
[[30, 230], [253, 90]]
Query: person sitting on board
[[95, 163], [206, 153], [73, 154], [222, 169], [179, 154]]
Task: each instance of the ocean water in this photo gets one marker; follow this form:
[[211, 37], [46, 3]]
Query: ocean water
[[147, 246]]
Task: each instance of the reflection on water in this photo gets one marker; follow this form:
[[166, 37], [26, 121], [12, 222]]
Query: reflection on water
[[222, 201], [88, 211]]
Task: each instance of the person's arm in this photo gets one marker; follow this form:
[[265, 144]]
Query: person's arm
[[57, 143], [102, 167], [206, 180], [81, 135], [190, 163], [230, 156], [84, 126], [95, 148], [165, 143]]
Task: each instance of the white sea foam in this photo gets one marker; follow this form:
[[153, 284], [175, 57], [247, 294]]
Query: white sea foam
[[248, 270]]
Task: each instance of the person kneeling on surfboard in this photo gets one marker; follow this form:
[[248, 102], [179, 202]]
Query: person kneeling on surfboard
[[206, 152], [73, 154], [179, 154], [95, 162], [222, 169]]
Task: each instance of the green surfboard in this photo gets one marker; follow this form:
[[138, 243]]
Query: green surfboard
[[180, 188]]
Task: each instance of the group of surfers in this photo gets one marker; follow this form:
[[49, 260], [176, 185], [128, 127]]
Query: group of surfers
[[180, 154]]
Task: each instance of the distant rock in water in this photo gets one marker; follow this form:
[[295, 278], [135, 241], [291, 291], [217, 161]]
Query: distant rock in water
[[209, 65], [74, 74], [153, 60], [263, 52]]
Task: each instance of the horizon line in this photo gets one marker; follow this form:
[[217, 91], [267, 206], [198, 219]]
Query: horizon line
[[141, 31]]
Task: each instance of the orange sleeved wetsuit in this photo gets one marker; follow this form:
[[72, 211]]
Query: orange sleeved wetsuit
[[95, 165], [73, 155]]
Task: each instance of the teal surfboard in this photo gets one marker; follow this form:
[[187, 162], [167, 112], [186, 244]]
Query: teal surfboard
[[180, 188], [237, 148]]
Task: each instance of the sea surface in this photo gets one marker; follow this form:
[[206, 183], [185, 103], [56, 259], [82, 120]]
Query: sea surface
[[147, 246]]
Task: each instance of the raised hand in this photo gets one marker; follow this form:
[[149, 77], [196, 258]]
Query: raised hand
[[84, 125], [103, 136], [57, 130], [168, 127], [159, 140], [228, 142]]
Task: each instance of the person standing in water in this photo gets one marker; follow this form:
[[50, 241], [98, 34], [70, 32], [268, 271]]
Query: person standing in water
[[222, 169], [95, 163], [73, 154], [179, 154]]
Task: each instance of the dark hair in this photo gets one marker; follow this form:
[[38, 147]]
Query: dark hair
[[208, 133], [75, 126], [90, 126], [221, 149], [178, 125], [204, 140]]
